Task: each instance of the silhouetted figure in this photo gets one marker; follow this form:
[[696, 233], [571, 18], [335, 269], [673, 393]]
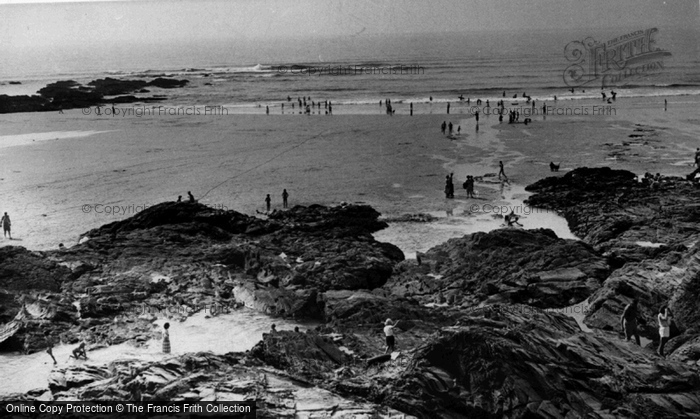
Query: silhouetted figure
[[443, 127], [192, 200], [431, 98], [285, 195], [448, 108], [6, 226], [554, 167], [501, 172], [469, 186], [179, 198], [504, 93], [267, 202], [477, 117], [461, 97], [449, 186], [459, 129], [411, 108], [665, 104], [49, 344], [664, 329], [449, 128], [628, 320], [273, 328]]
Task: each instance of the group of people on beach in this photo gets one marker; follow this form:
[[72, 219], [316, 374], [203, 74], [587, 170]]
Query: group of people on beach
[[468, 184], [6, 226], [449, 128], [628, 321], [306, 105]]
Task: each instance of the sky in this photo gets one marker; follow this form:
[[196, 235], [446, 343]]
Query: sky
[[30, 24]]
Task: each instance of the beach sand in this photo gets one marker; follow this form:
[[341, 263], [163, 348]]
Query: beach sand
[[63, 174]]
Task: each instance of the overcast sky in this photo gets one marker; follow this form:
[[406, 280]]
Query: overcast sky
[[33, 24]]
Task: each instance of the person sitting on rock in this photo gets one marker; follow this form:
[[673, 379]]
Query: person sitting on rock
[[628, 320], [192, 200], [79, 352], [389, 333]]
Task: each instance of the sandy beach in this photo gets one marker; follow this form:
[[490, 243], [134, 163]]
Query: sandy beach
[[64, 174]]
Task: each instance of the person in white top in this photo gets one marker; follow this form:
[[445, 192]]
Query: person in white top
[[664, 328], [389, 333]]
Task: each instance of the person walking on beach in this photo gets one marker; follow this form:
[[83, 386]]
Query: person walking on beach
[[449, 128], [443, 127], [285, 195], [664, 329], [628, 320], [477, 117], [389, 333], [50, 343], [267, 202], [449, 186], [501, 172], [448, 108], [166, 338], [6, 225]]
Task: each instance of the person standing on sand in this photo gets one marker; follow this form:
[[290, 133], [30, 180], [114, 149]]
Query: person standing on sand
[[628, 320], [389, 333], [664, 329], [443, 127], [501, 171], [166, 339], [285, 195], [449, 128], [6, 225], [267, 202]]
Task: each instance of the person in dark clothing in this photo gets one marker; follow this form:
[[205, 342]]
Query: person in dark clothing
[[285, 195], [267, 202], [192, 200]]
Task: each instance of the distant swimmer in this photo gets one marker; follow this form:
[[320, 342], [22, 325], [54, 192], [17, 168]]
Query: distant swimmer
[[267, 110], [285, 195], [192, 200], [267, 202], [431, 98], [6, 226], [572, 90], [461, 97], [504, 93]]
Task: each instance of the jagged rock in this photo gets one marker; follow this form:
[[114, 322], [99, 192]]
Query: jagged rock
[[506, 265]]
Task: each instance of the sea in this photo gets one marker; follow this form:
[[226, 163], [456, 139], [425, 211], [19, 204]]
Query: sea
[[246, 75]]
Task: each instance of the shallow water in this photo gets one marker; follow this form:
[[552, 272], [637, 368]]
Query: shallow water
[[235, 332], [471, 216]]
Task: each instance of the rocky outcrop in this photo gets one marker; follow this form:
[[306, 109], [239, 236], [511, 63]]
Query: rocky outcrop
[[648, 233], [461, 352], [68, 94], [532, 267]]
